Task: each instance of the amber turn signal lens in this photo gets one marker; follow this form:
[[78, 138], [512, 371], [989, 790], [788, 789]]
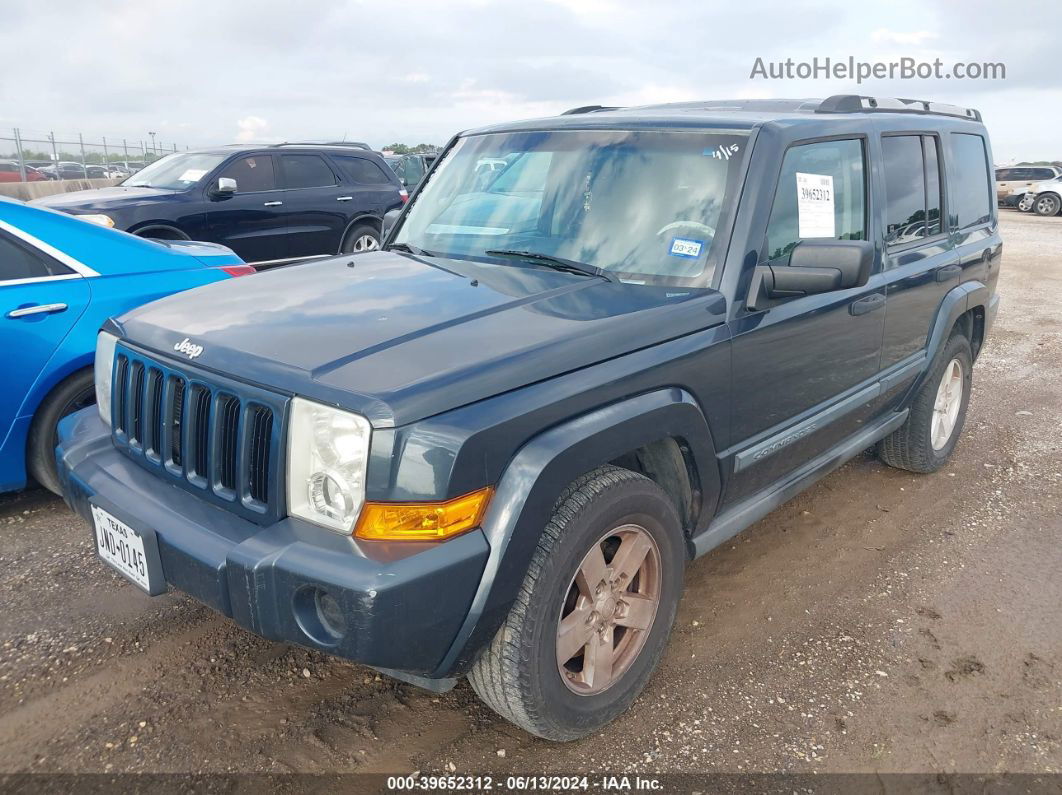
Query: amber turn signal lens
[[422, 521]]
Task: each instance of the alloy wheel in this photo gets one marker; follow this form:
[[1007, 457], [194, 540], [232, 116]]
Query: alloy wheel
[[609, 610], [947, 404]]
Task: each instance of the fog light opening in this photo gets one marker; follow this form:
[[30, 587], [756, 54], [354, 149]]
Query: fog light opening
[[320, 616]]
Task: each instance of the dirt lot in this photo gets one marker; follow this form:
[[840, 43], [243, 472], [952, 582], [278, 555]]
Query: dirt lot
[[882, 621]]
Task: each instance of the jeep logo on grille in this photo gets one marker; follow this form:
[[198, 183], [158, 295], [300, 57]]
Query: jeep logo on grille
[[188, 348]]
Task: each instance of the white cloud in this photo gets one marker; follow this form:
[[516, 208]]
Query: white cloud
[[915, 38], [251, 128]]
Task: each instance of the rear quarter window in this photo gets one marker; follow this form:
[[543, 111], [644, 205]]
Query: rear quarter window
[[969, 193], [20, 261]]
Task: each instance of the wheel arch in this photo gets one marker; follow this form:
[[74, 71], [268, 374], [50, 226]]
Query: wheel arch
[[361, 218], [661, 434], [141, 230]]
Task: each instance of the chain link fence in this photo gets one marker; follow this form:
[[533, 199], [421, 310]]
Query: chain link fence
[[32, 155]]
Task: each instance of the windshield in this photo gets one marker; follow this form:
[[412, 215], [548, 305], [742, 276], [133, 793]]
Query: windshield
[[174, 172], [642, 204]]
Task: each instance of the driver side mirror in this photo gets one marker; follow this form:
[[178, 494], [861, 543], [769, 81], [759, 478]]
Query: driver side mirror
[[226, 187], [815, 266]]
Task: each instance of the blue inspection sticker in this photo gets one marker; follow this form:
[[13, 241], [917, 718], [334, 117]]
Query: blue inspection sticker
[[685, 247]]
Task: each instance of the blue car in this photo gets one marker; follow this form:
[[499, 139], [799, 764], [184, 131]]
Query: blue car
[[60, 279]]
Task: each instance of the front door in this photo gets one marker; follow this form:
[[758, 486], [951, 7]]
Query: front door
[[252, 221], [801, 365], [40, 300]]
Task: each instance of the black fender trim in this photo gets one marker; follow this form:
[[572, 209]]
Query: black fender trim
[[150, 225], [361, 218], [528, 489], [957, 302]]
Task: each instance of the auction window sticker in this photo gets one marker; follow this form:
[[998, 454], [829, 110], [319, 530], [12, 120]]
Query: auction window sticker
[[193, 175], [815, 211]]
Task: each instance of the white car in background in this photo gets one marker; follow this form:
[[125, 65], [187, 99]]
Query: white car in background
[[1043, 198]]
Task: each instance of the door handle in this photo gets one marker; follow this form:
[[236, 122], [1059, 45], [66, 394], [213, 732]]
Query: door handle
[[272, 204], [39, 309], [948, 272], [867, 304], [345, 199]]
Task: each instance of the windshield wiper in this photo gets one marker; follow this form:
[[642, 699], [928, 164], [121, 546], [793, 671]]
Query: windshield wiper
[[557, 263], [410, 249]]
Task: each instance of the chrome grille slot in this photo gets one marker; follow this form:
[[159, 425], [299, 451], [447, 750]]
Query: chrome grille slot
[[227, 428], [198, 433], [136, 421]]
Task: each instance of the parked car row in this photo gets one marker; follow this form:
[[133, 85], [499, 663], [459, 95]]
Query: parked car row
[[37, 170], [269, 204], [1030, 189]]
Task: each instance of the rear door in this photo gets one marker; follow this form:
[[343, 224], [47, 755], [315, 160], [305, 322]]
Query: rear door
[[251, 221], [315, 204], [370, 189], [920, 261], [40, 300]]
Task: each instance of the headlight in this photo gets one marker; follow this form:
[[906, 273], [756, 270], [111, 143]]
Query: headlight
[[103, 368], [102, 220], [328, 451]]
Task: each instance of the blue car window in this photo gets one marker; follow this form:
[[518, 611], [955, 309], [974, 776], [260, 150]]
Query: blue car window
[[18, 261]]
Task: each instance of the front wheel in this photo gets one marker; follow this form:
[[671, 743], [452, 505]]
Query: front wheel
[[596, 607], [1047, 204]]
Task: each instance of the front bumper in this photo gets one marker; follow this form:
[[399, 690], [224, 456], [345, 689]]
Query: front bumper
[[399, 605]]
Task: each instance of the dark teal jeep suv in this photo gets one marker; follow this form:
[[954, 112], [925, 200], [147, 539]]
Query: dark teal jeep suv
[[492, 448]]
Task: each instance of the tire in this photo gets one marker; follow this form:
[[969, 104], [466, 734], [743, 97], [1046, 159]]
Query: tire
[[912, 446], [1047, 204], [360, 239], [519, 675], [73, 393]]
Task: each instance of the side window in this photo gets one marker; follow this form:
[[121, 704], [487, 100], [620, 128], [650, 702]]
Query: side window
[[905, 188], [912, 187], [835, 169], [252, 173], [362, 171], [970, 202], [934, 185], [1043, 173], [306, 171], [1004, 174], [19, 261], [411, 171]]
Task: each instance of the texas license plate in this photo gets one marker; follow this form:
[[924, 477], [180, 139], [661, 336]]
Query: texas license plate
[[122, 547]]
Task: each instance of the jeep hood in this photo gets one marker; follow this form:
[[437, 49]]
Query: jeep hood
[[399, 338]]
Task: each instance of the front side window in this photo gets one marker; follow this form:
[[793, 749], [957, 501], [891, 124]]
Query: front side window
[[645, 205], [306, 171], [19, 261], [174, 172], [821, 194], [970, 202], [253, 173]]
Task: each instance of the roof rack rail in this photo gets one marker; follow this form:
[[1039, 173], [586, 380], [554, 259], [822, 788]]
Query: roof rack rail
[[351, 144], [854, 103], [588, 109]]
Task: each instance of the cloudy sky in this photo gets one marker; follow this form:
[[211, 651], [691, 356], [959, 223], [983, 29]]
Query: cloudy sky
[[204, 72]]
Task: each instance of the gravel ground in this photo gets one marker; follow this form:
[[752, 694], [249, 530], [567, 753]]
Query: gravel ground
[[882, 621]]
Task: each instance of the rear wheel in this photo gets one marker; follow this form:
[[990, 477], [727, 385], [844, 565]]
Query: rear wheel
[[925, 441], [360, 239], [73, 394], [594, 613]]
